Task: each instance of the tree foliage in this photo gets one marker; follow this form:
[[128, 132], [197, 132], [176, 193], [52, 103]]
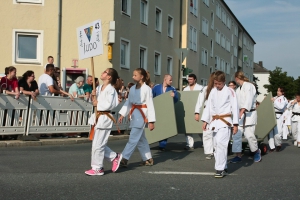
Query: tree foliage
[[278, 78]]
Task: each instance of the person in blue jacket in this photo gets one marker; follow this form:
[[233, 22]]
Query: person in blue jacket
[[160, 89]]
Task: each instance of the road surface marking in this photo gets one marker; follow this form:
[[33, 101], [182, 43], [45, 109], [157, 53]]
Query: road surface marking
[[184, 173]]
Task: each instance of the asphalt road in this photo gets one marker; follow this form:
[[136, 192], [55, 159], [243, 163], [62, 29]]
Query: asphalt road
[[57, 172]]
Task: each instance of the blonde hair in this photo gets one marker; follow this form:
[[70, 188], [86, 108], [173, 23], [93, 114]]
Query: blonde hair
[[145, 74], [210, 85], [240, 75]]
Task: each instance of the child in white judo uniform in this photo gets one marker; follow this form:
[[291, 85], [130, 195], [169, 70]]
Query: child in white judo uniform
[[221, 112], [294, 106], [106, 100], [287, 114], [275, 136], [208, 134], [246, 95], [139, 106]]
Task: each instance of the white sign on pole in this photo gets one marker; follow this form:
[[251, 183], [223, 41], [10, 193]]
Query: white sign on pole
[[90, 40]]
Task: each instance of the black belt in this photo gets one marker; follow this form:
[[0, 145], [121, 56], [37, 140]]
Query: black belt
[[279, 113], [251, 110], [294, 113]]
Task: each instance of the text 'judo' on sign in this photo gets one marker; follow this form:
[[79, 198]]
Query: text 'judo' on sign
[[89, 39]]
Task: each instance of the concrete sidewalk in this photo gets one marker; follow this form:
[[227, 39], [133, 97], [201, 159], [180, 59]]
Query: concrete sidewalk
[[55, 141]]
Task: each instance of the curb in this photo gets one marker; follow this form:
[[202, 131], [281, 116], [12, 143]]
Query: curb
[[47, 142]]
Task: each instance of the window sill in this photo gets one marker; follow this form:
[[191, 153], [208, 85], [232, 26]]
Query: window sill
[[125, 14], [158, 31], [28, 62], [124, 67], [143, 23], [171, 37]]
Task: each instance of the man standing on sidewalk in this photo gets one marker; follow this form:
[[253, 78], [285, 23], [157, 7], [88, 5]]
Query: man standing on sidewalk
[[160, 89]]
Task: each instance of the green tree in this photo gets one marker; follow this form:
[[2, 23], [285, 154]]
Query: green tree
[[297, 84], [277, 79]]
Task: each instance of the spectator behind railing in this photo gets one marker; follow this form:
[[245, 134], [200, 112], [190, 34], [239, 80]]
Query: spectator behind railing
[[76, 89], [87, 88], [46, 83], [9, 83], [28, 85]]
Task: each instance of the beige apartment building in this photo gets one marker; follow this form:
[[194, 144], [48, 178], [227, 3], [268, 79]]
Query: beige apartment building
[[135, 33], [141, 33], [216, 40]]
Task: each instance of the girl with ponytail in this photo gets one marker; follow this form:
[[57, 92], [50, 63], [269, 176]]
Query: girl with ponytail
[[140, 108], [106, 99]]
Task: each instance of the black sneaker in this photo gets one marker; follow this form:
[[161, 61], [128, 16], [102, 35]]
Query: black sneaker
[[188, 148], [221, 174], [162, 149]]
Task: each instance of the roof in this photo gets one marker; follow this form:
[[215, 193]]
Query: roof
[[259, 69]]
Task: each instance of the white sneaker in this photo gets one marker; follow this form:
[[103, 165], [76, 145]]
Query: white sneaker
[[209, 157], [295, 143]]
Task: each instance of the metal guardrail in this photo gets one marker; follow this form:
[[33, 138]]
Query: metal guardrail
[[48, 115]]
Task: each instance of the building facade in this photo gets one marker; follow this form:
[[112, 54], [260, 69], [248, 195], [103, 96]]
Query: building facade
[[216, 40], [262, 74], [135, 33]]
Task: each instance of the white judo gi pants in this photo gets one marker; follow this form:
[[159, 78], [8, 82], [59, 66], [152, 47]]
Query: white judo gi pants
[[221, 140], [285, 131], [100, 150], [249, 135], [137, 139], [275, 136], [208, 142], [190, 140], [296, 130]]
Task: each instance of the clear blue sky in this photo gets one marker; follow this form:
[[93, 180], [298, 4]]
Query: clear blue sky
[[275, 27]]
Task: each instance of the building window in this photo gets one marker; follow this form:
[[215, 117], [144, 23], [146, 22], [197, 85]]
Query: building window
[[227, 45], [158, 20], [126, 7], [203, 82], [144, 12], [170, 65], [30, 1], [217, 63], [231, 61], [218, 36], [206, 2], [228, 22], [235, 51], [205, 26], [125, 54], [193, 38], [204, 57], [223, 40], [170, 26], [28, 46], [143, 57], [157, 63], [212, 18], [194, 7], [218, 10], [227, 68]]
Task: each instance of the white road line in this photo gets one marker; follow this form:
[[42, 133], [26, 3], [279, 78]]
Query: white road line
[[184, 173]]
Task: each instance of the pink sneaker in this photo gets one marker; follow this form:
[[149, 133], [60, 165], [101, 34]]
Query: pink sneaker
[[116, 163], [93, 172]]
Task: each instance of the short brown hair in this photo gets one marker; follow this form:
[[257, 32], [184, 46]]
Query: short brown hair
[[219, 76]]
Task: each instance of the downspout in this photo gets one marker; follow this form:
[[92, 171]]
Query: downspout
[[59, 33], [180, 46]]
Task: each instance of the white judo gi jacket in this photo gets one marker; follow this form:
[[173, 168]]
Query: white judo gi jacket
[[280, 104], [197, 87], [107, 100], [201, 100], [221, 102], [246, 97], [139, 97], [295, 109]]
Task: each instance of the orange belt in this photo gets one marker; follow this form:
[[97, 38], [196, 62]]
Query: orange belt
[[139, 107], [221, 117], [107, 113]]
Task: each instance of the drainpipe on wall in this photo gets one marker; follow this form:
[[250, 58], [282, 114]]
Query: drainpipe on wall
[[59, 33]]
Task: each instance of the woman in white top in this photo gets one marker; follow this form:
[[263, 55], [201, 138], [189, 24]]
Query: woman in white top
[[294, 106]]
